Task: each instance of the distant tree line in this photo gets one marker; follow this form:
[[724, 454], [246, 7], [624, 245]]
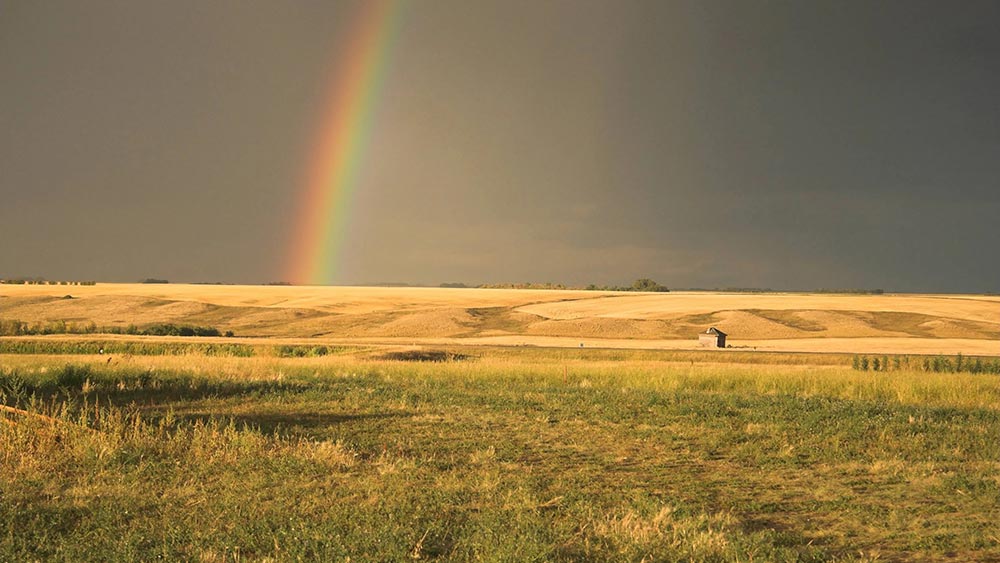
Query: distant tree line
[[641, 284], [523, 285], [38, 281], [852, 291], [734, 289], [849, 291], [936, 364], [12, 327]]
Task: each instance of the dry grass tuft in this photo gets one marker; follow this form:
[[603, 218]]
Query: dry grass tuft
[[703, 536]]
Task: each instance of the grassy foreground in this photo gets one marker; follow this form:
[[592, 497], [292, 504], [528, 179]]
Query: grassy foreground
[[503, 457]]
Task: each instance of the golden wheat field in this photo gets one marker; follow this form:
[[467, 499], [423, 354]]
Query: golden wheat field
[[795, 322]]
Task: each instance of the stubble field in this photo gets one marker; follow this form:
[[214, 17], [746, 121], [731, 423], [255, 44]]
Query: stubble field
[[797, 322]]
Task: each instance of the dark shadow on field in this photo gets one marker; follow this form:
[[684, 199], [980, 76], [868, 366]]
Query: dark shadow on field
[[776, 524], [162, 394], [191, 398], [289, 424], [436, 356], [154, 393], [146, 388], [82, 387]]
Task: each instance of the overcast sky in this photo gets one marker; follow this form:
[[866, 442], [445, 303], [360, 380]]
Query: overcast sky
[[792, 145]]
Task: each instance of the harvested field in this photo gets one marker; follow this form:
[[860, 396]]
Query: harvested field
[[791, 321]]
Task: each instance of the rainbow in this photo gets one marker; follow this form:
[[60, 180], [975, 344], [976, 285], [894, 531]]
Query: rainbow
[[338, 156]]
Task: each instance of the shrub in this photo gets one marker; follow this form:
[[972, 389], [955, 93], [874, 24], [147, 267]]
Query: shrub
[[646, 284]]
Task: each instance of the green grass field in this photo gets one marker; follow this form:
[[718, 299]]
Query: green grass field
[[509, 455]]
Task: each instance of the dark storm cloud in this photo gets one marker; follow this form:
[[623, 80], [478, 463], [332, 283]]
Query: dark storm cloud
[[779, 144]]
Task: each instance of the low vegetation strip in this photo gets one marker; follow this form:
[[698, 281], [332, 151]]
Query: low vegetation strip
[[137, 348], [936, 364], [508, 458], [14, 327], [39, 281], [166, 348]]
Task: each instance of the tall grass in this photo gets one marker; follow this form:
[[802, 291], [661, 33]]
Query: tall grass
[[498, 458]]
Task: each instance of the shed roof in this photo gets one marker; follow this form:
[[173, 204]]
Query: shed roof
[[715, 331]]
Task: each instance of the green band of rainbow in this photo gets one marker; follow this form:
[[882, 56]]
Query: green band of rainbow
[[339, 154]]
